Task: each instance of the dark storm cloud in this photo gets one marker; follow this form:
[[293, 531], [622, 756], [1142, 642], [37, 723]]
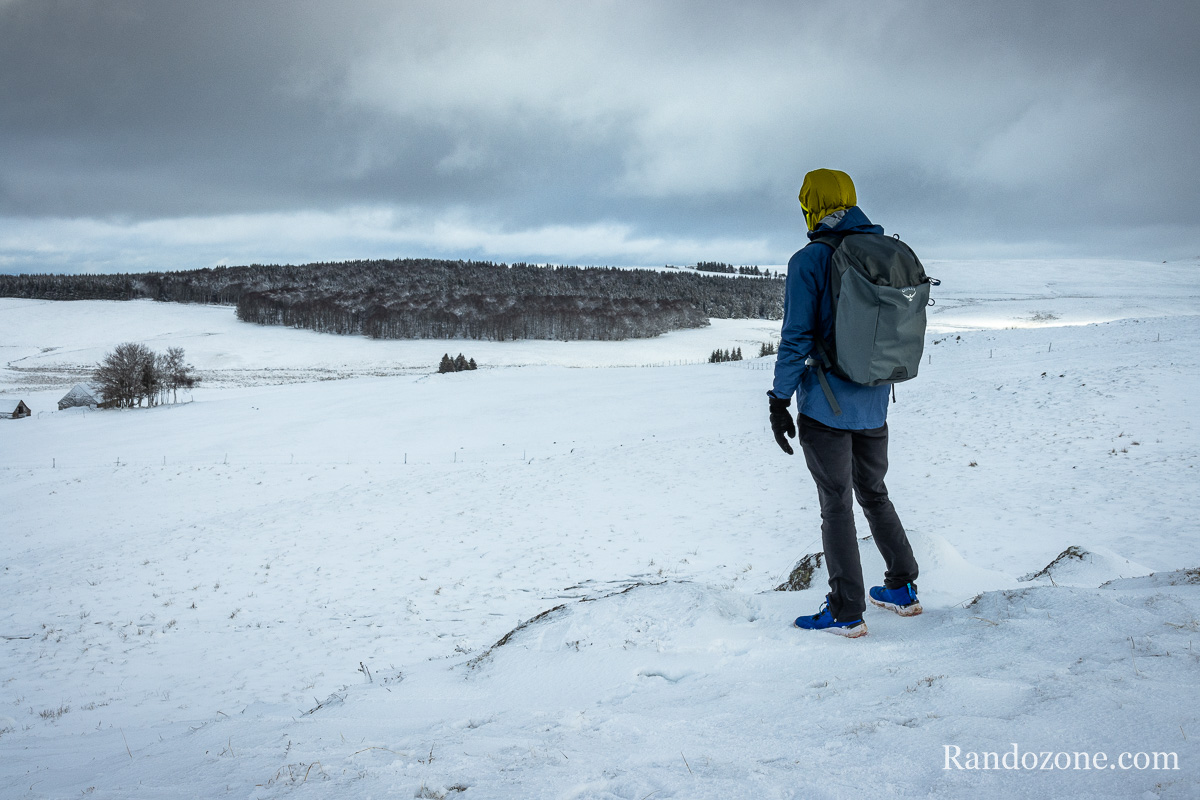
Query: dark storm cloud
[[183, 133], [166, 108]]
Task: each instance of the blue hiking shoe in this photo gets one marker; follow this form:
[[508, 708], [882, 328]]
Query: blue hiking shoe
[[903, 600], [823, 621]]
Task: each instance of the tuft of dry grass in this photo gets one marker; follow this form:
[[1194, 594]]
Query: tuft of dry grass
[[50, 714]]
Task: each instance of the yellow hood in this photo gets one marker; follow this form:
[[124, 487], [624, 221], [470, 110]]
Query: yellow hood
[[825, 191]]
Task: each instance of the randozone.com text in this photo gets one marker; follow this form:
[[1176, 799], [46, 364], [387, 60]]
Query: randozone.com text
[[1046, 759]]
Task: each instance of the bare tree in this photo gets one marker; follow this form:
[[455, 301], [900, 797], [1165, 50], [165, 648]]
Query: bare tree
[[150, 380], [123, 374], [133, 373], [177, 373]]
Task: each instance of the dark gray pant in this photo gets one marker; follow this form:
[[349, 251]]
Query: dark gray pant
[[841, 460]]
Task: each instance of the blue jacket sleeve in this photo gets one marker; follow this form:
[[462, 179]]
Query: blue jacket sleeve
[[803, 292]]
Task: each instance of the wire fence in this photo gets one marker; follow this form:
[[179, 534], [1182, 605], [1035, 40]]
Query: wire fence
[[426, 457], [238, 462]]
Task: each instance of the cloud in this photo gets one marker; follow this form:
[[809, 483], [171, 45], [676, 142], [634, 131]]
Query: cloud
[[90, 245], [1023, 124]]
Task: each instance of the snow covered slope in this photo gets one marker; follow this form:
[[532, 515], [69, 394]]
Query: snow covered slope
[[557, 582]]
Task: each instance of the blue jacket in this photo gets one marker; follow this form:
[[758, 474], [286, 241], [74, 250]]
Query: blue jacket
[[807, 304]]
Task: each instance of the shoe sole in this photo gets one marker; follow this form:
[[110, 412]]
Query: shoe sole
[[850, 633], [847, 633], [911, 610]]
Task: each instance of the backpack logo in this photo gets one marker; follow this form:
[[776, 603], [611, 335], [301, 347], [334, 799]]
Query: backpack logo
[[909, 293]]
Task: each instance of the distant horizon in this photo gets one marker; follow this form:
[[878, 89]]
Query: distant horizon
[[499, 262], [12, 272]]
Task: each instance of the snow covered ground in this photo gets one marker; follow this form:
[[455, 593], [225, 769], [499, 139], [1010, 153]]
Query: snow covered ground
[[548, 581]]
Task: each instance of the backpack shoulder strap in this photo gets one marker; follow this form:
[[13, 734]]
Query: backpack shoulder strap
[[829, 240], [825, 362], [825, 387]]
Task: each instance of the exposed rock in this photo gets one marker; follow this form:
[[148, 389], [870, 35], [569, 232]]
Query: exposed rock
[[802, 573], [1073, 552]]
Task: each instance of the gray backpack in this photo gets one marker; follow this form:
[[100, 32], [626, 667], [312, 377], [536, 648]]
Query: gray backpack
[[879, 291]]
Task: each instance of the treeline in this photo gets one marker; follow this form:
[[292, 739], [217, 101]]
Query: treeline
[[459, 364], [735, 354], [721, 356], [729, 269], [435, 299], [472, 316]]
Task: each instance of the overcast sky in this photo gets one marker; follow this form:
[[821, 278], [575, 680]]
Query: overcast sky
[[164, 135]]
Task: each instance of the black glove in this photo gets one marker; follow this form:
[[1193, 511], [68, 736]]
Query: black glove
[[781, 422]]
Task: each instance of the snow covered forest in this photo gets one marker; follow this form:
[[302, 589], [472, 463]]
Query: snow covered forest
[[436, 299]]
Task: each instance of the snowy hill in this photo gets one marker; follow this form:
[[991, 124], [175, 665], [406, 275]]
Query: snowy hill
[[548, 581]]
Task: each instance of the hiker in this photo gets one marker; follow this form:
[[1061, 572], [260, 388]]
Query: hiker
[[846, 450]]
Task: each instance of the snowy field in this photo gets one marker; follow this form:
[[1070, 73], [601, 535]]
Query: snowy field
[[333, 574]]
